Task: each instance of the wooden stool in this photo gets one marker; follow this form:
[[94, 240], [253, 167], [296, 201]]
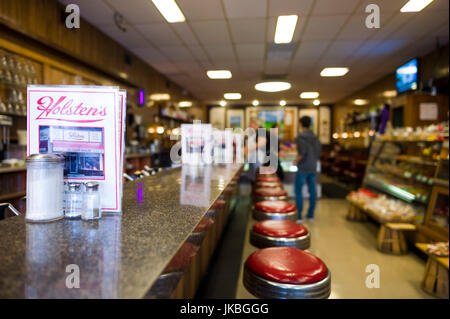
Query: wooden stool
[[435, 279], [355, 214], [391, 239]]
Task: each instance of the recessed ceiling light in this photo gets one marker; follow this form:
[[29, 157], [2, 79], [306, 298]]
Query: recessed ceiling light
[[232, 96], [223, 103], [282, 102], [272, 86], [360, 102], [255, 102], [160, 130], [390, 93], [169, 10], [340, 71], [185, 104], [309, 95], [415, 5], [316, 102], [160, 97], [219, 74], [284, 31]]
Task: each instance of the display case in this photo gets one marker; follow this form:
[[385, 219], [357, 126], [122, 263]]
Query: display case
[[402, 176]]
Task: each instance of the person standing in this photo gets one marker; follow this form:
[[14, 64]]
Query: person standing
[[308, 147]]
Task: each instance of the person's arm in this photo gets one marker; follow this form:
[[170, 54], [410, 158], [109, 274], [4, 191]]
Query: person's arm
[[300, 150]]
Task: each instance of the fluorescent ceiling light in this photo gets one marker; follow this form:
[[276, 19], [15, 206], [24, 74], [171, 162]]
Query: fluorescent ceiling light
[[334, 71], [316, 102], [360, 102], [232, 96], [219, 74], [255, 102], [223, 103], [282, 102], [272, 86], [185, 104], [309, 95], [169, 10], [160, 97], [284, 31], [415, 5]]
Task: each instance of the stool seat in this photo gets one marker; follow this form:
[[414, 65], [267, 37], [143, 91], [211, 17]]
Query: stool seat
[[287, 265], [267, 179], [286, 272], [270, 193], [280, 228], [270, 233], [220, 203], [275, 206], [269, 184], [275, 209]]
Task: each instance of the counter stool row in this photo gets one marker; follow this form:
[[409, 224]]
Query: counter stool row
[[282, 269]]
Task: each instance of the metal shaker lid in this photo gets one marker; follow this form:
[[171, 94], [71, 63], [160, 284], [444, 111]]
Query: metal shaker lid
[[91, 186], [74, 187], [45, 158]]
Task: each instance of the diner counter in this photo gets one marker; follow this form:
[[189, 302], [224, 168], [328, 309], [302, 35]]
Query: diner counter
[[118, 256]]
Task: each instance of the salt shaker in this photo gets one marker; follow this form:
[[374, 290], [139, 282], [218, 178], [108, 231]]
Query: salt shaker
[[74, 200], [44, 187], [91, 207]]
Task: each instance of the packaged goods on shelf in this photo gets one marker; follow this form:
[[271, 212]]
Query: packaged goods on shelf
[[386, 208]]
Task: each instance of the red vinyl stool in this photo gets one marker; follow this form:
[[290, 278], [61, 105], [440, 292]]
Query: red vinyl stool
[[268, 184], [286, 273], [266, 193], [266, 178], [277, 210], [269, 233]]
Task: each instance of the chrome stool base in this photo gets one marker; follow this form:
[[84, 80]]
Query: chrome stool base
[[266, 289], [260, 215], [263, 241]]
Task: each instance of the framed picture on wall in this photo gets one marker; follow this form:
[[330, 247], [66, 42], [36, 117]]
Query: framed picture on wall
[[235, 119], [314, 115], [324, 125], [217, 117]]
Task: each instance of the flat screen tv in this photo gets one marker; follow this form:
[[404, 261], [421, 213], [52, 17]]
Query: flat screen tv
[[406, 76]]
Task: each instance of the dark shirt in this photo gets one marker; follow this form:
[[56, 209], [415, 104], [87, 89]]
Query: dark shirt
[[308, 147]]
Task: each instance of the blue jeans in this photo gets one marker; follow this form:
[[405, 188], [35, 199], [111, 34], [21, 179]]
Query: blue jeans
[[311, 183]]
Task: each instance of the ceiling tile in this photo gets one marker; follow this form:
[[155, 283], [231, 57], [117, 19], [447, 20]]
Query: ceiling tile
[[311, 49], [248, 31], [138, 12], [250, 51], [245, 9], [195, 10], [95, 12], [393, 24], [421, 24], [185, 33], [388, 47], [342, 48], [166, 68], [333, 7], [355, 28], [288, 7], [220, 52], [276, 67], [129, 39], [177, 53], [150, 54], [212, 32], [159, 34], [199, 53], [323, 27]]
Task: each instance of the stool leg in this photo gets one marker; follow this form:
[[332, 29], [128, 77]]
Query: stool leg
[[380, 240]]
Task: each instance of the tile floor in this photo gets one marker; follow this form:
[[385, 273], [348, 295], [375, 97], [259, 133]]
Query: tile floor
[[347, 248]]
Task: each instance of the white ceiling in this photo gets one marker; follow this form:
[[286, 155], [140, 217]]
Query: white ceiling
[[237, 35]]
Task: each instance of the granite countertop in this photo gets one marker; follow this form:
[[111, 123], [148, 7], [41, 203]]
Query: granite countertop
[[119, 256]]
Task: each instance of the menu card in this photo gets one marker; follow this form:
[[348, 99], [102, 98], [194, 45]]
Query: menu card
[[87, 125]]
